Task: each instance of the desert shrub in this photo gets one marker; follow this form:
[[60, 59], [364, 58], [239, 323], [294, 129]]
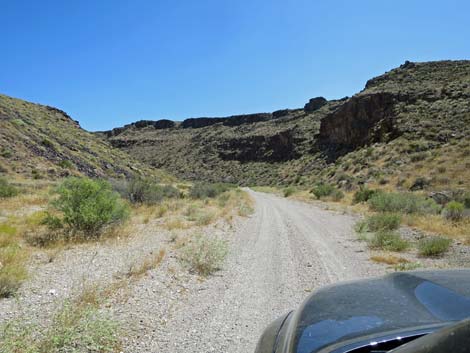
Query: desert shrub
[[289, 191], [361, 227], [337, 195], [77, 327], [363, 195], [419, 156], [383, 221], [466, 201], [6, 153], [204, 254], [6, 189], [47, 143], [12, 261], [147, 191], [322, 190], [89, 205], [207, 190], [12, 269], [65, 164], [51, 221], [433, 246], [454, 211], [388, 240], [403, 202]]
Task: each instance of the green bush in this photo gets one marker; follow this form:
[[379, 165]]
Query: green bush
[[204, 254], [65, 164], [403, 203], [363, 195], [47, 143], [454, 211], [6, 189], [147, 191], [383, 221], [205, 190], [289, 191], [89, 205], [337, 195], [433, 246], [387, 240], [6, 153], [322, 190], [75, 328]]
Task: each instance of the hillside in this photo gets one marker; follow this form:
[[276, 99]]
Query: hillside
[[412, 122], [38, 141]]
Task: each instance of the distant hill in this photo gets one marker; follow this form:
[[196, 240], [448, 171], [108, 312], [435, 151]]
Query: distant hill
[[38, 141], [409, 127]]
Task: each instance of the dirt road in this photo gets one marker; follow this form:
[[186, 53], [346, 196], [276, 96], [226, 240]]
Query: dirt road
[[277, 257], [286, 250]]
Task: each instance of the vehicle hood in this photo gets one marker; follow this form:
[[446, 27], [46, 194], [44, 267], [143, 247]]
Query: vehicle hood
[[398, 301]]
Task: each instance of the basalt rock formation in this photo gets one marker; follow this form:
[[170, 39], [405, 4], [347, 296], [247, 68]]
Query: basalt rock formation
[[425, 102]]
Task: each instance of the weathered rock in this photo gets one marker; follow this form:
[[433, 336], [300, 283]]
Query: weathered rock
[[274, 148], [441, 198], [363, 119], [315, 104], [420, 184], [234, 120]]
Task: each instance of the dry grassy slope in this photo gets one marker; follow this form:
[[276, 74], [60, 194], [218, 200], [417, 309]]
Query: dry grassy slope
[[411, 122], [250, 153], [43, 142]]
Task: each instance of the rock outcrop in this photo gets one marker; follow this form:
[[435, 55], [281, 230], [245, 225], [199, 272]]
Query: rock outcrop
[[315, 104], [258, 148], [363, 119], [141, 124], [236, 120]]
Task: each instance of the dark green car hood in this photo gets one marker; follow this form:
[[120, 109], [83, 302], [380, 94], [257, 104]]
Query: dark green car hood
[[337, 315]]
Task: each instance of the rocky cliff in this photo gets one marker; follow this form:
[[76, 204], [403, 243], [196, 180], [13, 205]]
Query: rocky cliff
[[424, 102]]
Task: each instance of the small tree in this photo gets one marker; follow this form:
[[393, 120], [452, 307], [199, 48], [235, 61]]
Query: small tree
[[89, 205]]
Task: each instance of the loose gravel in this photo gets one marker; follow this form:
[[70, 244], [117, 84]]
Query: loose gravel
[[278, 255]]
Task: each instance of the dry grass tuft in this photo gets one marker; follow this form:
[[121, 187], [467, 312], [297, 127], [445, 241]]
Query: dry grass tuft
[[389, 259], [436, 224], [150, 262]]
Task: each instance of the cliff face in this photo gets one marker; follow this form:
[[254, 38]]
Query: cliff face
[[412, 99], [362, 120]]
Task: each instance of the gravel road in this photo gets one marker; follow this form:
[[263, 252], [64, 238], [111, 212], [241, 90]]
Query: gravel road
[[283, 252]]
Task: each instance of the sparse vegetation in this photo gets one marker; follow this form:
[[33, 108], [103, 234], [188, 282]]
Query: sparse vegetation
[[433, 246], [363, 195], [403, 203], [323, 190], [388, 240], [289, 191], [146, 191], [6, 189], [12, 261], [454, 211], [206, 190], [204, 254], [150, 262], [383, 221], [77, 327]]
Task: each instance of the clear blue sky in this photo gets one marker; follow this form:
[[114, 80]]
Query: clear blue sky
[[111, 62]]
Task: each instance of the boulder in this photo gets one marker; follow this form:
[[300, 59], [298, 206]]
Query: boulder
[[315, 104]]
